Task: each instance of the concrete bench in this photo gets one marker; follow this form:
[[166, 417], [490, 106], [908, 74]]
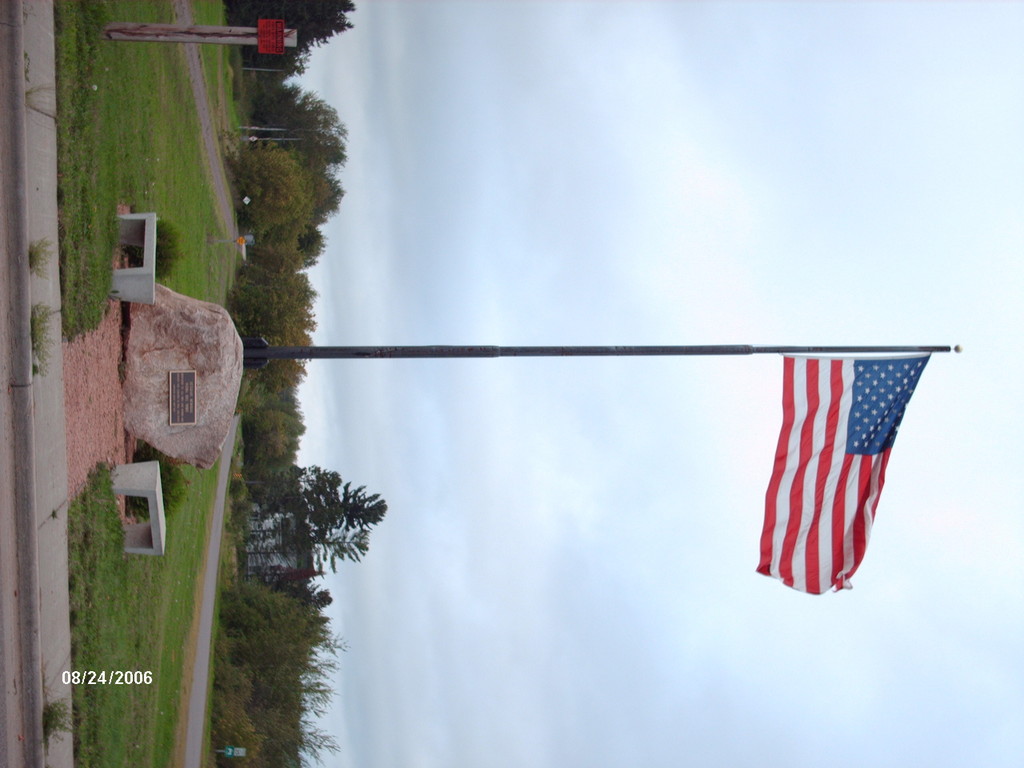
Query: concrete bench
[[142, 479], [137, 283]]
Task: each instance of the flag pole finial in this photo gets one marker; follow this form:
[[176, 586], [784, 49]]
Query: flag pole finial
[[958, 349]]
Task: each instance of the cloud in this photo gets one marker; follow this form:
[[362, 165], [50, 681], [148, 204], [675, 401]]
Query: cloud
[[566, 572]]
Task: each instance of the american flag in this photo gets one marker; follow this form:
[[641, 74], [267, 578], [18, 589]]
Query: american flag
[[840, 418]]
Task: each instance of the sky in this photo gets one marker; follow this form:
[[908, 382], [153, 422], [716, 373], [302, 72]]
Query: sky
[[566, 573]]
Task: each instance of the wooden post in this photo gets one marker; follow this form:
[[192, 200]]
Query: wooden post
[[176, 33]]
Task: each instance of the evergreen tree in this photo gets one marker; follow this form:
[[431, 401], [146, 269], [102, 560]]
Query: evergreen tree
[[315, 21], [320, 513]]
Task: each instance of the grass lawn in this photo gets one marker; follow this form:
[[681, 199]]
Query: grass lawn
[[128, 133], [132, 612]]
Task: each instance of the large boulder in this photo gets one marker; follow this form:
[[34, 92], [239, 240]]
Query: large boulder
[[181, 333]]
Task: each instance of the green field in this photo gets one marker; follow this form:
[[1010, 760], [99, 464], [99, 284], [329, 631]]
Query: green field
[[128, 134], [132, 613]]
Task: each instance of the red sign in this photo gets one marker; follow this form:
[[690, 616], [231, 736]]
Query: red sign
[[270, 36]]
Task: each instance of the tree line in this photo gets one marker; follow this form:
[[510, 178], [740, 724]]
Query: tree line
[[275, 653], [274, 659], [315, 22], [291, 190]]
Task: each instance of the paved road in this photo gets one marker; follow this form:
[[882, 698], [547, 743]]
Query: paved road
[[34, 629]]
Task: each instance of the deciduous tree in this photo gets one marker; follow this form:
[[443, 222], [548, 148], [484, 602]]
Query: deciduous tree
[[279, 189]]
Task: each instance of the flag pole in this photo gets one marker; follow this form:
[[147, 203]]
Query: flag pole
[[257, 352]]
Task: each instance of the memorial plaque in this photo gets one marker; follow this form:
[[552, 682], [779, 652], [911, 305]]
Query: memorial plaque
[[270, 36], [182, 398]]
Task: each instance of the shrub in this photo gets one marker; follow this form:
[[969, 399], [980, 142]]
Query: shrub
[[168, 248], [173, 481], [42, 342], [56, 718], [39, 253]]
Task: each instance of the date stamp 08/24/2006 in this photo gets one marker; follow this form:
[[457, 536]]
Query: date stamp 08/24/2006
[[107, 677]]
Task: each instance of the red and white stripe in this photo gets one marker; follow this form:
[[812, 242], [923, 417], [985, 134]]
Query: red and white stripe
[[821, 501]]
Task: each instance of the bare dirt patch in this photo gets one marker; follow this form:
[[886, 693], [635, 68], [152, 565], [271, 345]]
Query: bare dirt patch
[[93, 402]]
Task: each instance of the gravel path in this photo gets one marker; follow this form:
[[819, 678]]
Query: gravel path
[[197, 683], [215, 168]]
